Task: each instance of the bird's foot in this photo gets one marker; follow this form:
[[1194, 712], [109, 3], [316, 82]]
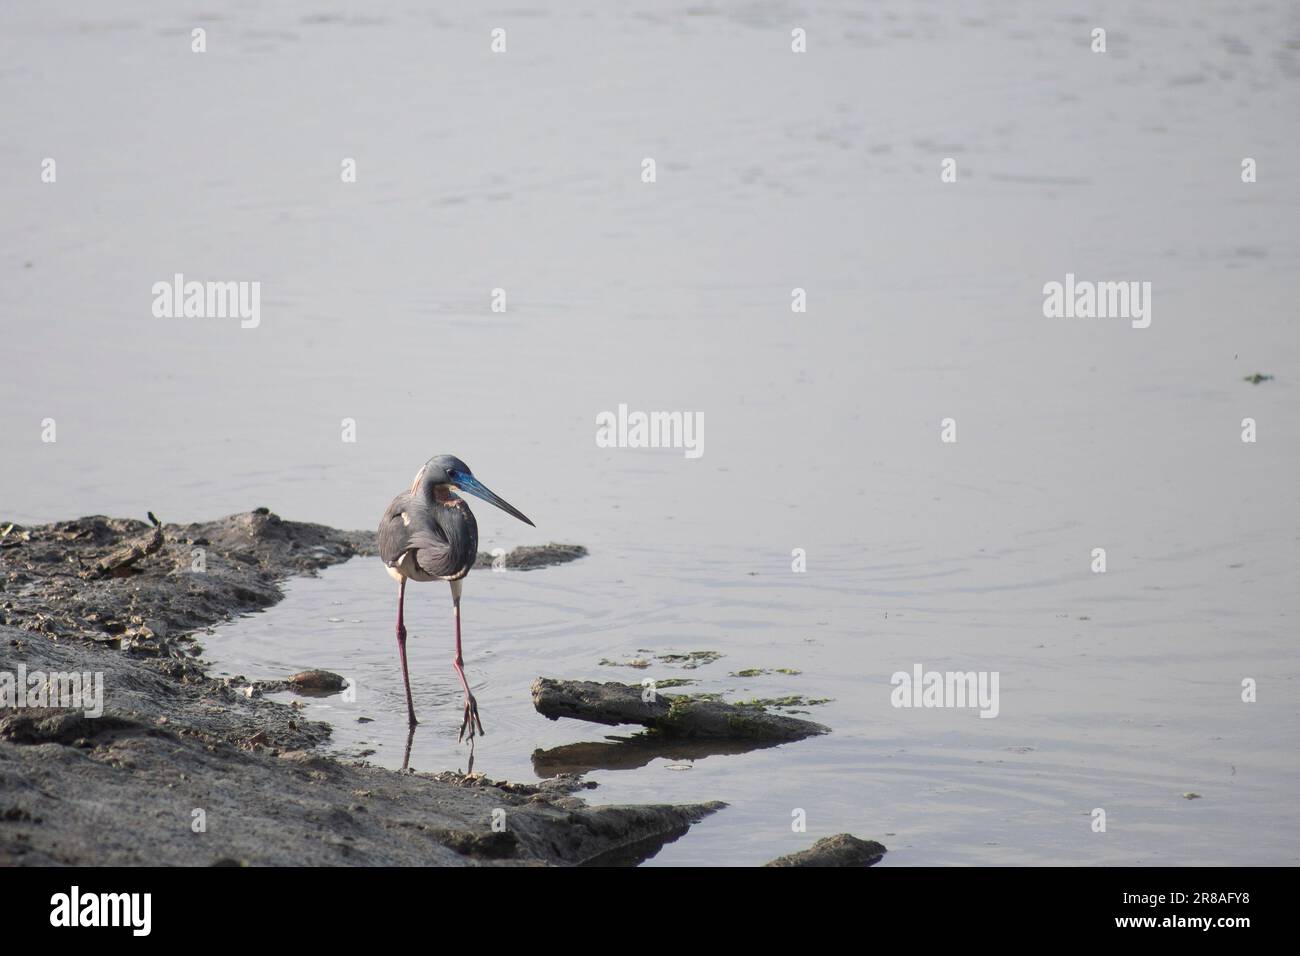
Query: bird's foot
[[470, 721]]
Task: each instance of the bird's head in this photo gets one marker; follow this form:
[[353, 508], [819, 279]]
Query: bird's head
[[450, 471]]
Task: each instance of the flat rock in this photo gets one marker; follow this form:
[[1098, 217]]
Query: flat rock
[[843, 849], [672, 715], [531, 557]]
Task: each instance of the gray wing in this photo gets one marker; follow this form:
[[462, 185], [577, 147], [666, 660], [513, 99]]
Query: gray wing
[[408, 525]]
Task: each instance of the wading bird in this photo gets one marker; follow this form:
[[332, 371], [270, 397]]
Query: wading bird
[[429, 534]]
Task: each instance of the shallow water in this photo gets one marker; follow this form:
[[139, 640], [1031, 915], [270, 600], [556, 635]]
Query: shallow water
[[820, 171], [1105, 700]]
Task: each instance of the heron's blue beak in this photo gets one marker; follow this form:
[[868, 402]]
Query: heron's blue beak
[[467, 482]]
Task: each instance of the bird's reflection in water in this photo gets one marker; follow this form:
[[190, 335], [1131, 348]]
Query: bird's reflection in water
[[406, 757], [629, 753], [410, 739]]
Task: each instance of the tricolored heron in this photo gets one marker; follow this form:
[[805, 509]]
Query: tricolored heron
[[429, 534]]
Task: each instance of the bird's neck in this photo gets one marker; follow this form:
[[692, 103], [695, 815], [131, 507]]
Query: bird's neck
[[459, 528]]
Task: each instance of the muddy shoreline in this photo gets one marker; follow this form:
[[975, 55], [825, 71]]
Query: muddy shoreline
[[186, 769]]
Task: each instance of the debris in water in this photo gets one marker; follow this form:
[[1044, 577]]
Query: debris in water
[[764, 671], [688, 661]]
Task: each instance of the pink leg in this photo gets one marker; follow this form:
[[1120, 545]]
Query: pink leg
[[471, 719], [401, 652]]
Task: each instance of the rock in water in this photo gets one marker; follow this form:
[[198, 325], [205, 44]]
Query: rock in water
[[843, 849], [669, 714], [317, 680]]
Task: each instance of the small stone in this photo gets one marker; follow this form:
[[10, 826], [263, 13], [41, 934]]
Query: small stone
[[843, 849], [317, 680]]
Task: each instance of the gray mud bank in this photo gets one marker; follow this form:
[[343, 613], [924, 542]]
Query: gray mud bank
[[186, 769]]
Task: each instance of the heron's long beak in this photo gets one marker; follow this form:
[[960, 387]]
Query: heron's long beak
[[479, 490]]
